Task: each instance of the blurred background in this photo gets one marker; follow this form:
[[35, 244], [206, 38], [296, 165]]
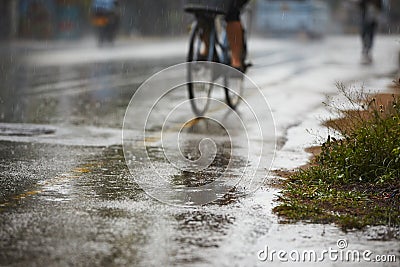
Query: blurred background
[[71, 19]]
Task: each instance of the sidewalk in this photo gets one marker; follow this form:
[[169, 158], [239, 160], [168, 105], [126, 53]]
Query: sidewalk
[[88, 41]]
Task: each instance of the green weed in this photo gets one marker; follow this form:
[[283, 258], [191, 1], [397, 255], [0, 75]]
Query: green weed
[[354, 181]]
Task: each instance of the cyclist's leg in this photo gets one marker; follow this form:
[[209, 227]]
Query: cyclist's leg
[[364, 37], [372, 34], [235, 38], [234, 30], [205, 37]]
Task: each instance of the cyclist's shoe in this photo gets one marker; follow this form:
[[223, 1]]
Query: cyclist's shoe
[[366, 57], [202, 57], [236, 72], [243, 68]]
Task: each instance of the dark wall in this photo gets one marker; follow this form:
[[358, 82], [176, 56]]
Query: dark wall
[[153, 17], [5, 19], [395, 13]]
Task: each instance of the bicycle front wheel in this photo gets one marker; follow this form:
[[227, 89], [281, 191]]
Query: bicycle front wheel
[[199, 76]]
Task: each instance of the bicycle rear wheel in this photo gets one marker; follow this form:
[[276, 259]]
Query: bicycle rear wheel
[[200, 76], [233, 90]]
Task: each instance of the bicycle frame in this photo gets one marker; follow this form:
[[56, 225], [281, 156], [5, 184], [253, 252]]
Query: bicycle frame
[[217, 38]]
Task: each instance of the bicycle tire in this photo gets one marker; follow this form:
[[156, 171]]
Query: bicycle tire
[[199, 103], [233, 91]]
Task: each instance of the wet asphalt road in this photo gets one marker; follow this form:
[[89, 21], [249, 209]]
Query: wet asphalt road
[[67, 197], [76, 204]]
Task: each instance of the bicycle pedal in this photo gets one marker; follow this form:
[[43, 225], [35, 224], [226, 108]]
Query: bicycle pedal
[[248, 65]]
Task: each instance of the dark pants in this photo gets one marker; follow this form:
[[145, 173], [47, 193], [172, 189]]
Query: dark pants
[[234, 10], [368, 30]]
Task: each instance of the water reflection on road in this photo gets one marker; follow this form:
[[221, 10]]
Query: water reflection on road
[[88, 94]]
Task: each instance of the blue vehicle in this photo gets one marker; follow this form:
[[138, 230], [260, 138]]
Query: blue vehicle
[[292, 16]]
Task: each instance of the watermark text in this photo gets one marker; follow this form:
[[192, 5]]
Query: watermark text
[[340, 253]]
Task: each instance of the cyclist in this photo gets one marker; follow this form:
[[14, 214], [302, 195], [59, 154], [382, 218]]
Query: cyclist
[[106, 18], [234, 31]]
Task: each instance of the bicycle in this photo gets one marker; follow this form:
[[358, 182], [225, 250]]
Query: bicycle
[[210, 27]]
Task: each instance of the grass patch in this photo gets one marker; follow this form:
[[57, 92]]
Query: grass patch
[[353, 181]]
